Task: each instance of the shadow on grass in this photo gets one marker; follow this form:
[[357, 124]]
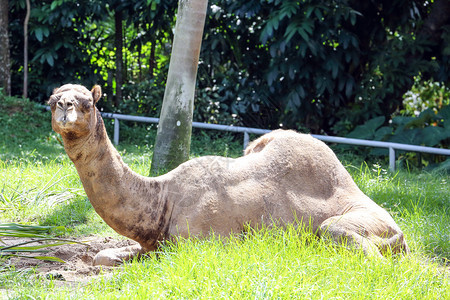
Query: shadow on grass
[[78, 216]]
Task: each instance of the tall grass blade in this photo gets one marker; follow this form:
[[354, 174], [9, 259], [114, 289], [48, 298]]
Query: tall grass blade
[[40, 235]]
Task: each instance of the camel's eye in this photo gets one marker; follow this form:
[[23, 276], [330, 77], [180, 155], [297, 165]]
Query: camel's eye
[[53, 101], [86, 105]]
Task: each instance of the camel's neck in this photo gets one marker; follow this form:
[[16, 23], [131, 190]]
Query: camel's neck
[[133, 205]]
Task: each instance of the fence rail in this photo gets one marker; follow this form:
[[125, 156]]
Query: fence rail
[[246, 131]]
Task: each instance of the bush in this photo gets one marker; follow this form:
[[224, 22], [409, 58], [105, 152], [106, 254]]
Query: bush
[[431, 128]]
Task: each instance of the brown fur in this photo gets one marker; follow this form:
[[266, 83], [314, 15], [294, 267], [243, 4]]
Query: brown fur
[[285, 177]]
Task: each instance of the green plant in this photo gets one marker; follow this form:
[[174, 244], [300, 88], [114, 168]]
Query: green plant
[[324, 65], [265, 263], [37, 235], [424, 95], [430, 128], [26, 127]]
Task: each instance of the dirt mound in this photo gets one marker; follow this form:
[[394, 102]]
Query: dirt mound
[[78, 259]]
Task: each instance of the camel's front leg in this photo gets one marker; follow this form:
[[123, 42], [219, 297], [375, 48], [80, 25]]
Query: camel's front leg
[[115, 257]]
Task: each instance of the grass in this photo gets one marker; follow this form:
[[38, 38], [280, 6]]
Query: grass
[[39, 185], [265, 264]]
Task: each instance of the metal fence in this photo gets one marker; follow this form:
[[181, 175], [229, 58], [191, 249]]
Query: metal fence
[[246, 131]]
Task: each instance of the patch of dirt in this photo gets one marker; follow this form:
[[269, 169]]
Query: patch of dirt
[[78, 259]]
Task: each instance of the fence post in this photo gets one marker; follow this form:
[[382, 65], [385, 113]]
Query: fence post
[[116, 131], [246, 139], [392, 159]]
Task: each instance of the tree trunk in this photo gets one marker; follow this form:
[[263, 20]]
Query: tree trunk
[[175, 125], [139, 61], [5, 66], [152, 58], [109, 90], [119, 56], [25, 50]]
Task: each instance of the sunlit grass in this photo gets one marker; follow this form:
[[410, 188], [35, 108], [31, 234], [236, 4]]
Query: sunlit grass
[[271, 263], [39, 185], [419, 202]]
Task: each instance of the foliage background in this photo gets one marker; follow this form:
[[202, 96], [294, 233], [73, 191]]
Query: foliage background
[[320, 66]]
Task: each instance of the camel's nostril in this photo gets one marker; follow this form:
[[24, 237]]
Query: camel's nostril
[[60, 104]]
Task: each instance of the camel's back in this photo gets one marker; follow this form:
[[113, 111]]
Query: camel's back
[[285, 153], [284, 175]]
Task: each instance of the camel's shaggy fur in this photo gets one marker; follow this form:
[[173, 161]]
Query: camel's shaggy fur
[[284, 177]]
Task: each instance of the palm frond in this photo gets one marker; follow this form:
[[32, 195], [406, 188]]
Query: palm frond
[[37, 234]]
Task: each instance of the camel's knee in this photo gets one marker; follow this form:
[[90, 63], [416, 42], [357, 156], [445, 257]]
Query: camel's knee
[[330, 229], [115, 257], [341, 233]]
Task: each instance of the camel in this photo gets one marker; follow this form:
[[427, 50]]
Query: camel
[[284, 177]]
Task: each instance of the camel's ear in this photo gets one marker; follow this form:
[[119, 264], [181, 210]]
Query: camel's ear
[[96, 93]]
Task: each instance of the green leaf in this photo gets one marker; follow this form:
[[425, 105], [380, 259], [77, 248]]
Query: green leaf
[[309, 11], [21, 234], [349, 87], [46, 31], [353, 19], [291, 30], [382, 133], [267, 32], [374, 123], [334, 69], [272, 75], [54, 5], [379, 152], [368, 131], [308, 26], [295, 99], [29, 229], [431, 136], [36, 248], [401, 121], [301, 91], [406, 136], [318, 14], [39, 34], [360, 132], [50, 59], [303, 34], [49, 258]]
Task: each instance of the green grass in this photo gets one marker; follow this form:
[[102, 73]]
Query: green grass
[[39, 185], [265, 264]]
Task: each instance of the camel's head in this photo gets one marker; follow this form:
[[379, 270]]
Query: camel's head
[[73, 109]]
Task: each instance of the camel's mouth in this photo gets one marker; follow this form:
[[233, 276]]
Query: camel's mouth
[[65, 124]]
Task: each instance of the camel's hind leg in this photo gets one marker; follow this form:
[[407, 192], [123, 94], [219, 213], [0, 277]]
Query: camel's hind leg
[[115, 257], [343, 230]]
